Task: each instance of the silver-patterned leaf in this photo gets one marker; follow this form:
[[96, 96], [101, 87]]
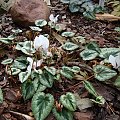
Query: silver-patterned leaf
[[42, 105], [88, 54], [70, 46], [68, 101], [103, 73]]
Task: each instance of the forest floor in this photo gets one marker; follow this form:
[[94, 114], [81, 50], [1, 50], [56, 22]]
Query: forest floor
[[100, 31]]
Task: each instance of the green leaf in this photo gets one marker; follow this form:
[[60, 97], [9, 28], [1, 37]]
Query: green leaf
[[90, 88], [16, 31], [6, 40], [70, 46], [75, 69], [68, 101], [40, 22], [99, 100], [7, 61], [68, 34], [28, 89], [93, 46], [38, 86], [1, 96], [34, 28], [26, 47], [117, 29], [65, 1], [74, 6], [19, 45], [117, 82], [19, 64], [28, 51], [89, 15], [106, 52], [46, 79], [23, 76], [42, 105], [103, 73], [13, 71], [51, 70], [51, 24], [65, 114], [67, 72], [88, 54]]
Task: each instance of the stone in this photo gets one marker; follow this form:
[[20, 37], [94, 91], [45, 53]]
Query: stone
[[25, 12]]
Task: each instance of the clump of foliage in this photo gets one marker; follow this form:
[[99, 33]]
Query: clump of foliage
[[115, 4], [39, 68], [84, 6]]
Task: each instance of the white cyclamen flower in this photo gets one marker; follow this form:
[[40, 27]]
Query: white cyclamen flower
[[41, 41], [53, 19], [115, 61], [33, 65]]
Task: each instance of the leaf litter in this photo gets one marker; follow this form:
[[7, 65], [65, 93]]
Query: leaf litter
[[91, 30]]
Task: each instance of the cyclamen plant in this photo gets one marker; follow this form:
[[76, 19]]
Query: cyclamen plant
[[36, 75]]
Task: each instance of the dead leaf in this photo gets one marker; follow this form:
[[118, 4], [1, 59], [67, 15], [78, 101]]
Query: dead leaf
[[59, 38], [107, 17], [22, 116], [83, 103]]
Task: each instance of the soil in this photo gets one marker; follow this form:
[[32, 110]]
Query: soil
[[101, 31]]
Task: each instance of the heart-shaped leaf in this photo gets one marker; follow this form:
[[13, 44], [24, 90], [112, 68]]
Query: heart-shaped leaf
[[70, 46], [34, 28], [1, 96], [89, 15], [103, 73], [28, 51], [40, 22], [67, 72], [51, 70], [75, 69], [68, 101], [42, 105], [74, 6], [68, 34], [28, 89], [7, 61], [13, 71], [63, 115], [106, 52], [46, 79], [38, 86], [19, 64], [93, 46], [88, 54], [23, 76]]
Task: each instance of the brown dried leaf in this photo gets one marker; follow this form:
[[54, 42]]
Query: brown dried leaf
[[107, 17]]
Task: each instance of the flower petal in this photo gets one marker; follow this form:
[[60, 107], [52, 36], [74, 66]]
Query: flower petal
[[118, 60], [51, 17], [56, 19], [112, 60], [41, 41], [37, 63]]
